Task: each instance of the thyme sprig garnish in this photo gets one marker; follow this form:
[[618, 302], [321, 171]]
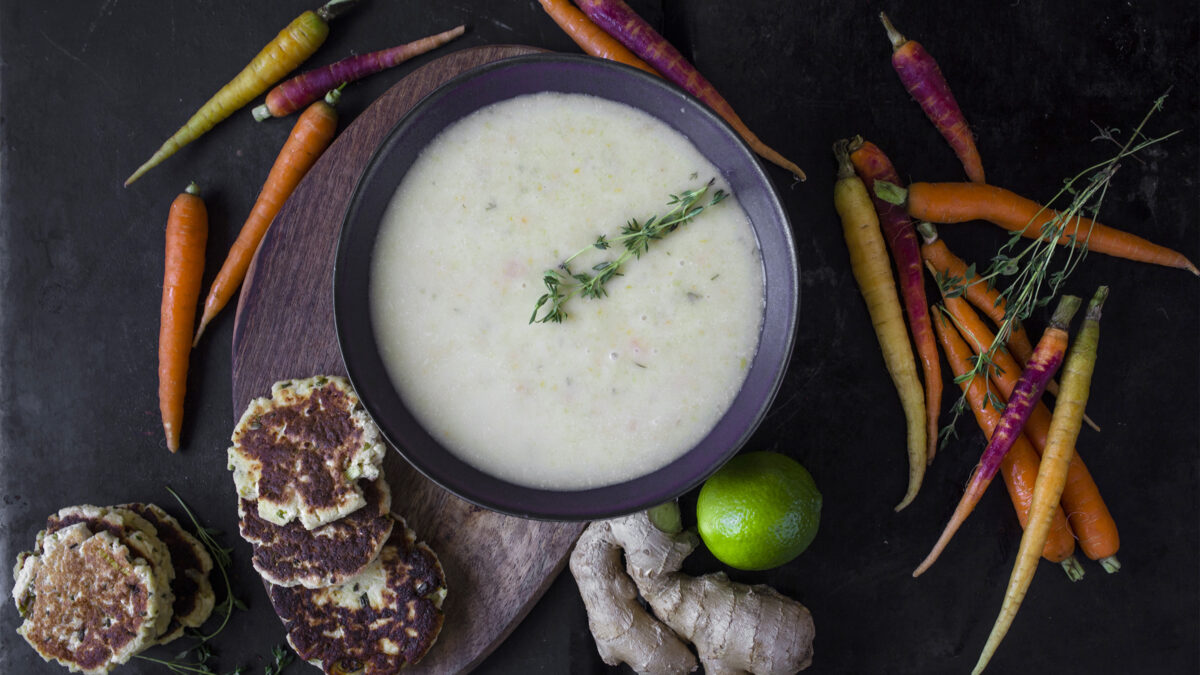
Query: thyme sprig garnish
[[562, 283], [1037, 270]]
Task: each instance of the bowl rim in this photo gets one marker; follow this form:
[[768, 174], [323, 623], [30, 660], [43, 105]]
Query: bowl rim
[[360, 354]]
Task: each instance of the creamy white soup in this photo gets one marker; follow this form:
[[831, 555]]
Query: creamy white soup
[[626, 383]]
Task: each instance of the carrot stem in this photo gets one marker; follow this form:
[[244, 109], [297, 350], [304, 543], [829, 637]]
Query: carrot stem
[[1052, 475]]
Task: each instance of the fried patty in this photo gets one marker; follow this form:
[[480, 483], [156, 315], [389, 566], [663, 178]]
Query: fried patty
[[194, 597], [139, 535], [300, 454], [290, 555], [88, 601], [378, 622]]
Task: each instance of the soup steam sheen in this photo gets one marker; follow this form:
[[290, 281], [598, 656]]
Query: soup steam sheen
[[626, 383]]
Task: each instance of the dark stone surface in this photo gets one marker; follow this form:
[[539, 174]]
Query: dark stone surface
[[89, 89]]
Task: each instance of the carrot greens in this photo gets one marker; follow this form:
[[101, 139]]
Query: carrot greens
[[562, 283]]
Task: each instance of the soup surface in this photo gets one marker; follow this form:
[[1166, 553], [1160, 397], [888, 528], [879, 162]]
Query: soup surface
[[626, 383]]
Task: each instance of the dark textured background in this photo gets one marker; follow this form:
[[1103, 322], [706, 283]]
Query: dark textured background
[[89, 89]]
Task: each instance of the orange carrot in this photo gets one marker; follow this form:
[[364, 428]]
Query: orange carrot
[[1020, 465], [590, 38], [1086, 510], [949, 269], [873, 272], [1052, 475], [961, 202], [617, 19], [313, 132], [187, 234], [871, 164]]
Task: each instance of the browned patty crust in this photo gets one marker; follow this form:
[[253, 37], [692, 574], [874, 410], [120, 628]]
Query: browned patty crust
[[379, 622], [191, 586], [289, 555]]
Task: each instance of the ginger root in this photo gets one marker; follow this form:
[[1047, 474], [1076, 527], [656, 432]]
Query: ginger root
[[736, 628]]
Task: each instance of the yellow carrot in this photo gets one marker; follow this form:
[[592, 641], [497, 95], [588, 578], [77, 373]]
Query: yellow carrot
[[873, 272], [1052, 474], [289, 49]]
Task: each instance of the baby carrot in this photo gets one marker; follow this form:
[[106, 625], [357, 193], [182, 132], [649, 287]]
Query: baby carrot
[[924, 81], [1020, 465], [187, 234], [961, 202], [871, 164], [289, 49], [1052, 475], [621, 22], [313, 132], [872, 271], [590, 38], [1047, 357], [289, 96], [1089, 515]]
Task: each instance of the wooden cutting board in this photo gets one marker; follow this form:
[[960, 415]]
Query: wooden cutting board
[[496, 566]]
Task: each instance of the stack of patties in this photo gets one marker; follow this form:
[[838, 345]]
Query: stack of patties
[[105, 583], [354, 589]]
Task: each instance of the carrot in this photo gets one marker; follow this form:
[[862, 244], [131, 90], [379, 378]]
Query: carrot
[[869, 263], [950, 270], [590, 38], [1089, 515], [313, 132], [1047, 357], [1052, 475], [187, 234], [924, 81], [961, 202], [621, 22], [292, 95], [1020, 465], [289, 49], [871, 164]]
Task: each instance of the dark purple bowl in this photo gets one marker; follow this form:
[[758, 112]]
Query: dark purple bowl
[[569, 74]]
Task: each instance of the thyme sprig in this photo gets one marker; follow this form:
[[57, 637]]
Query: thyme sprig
[[562, 283], [1037, 270]]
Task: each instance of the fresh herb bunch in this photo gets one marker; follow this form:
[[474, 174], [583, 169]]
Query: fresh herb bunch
[[562, 283], [1036, 270]]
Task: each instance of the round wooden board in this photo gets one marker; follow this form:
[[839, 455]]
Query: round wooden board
[[496, 566]]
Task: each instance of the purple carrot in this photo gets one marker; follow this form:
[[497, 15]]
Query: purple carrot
[[620, 21], [923, 79], [305, 88], [871, 164], [1047, 357]]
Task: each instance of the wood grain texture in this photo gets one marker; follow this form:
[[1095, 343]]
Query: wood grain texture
[[496, 566]]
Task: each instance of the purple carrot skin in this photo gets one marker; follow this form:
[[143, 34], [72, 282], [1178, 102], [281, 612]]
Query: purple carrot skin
[[1052, 473], [620, 21], [871, 164], [924, 81], [1046, 359], [298, 92]]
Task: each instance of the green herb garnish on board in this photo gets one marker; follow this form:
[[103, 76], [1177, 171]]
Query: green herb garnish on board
[[562, 283]]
